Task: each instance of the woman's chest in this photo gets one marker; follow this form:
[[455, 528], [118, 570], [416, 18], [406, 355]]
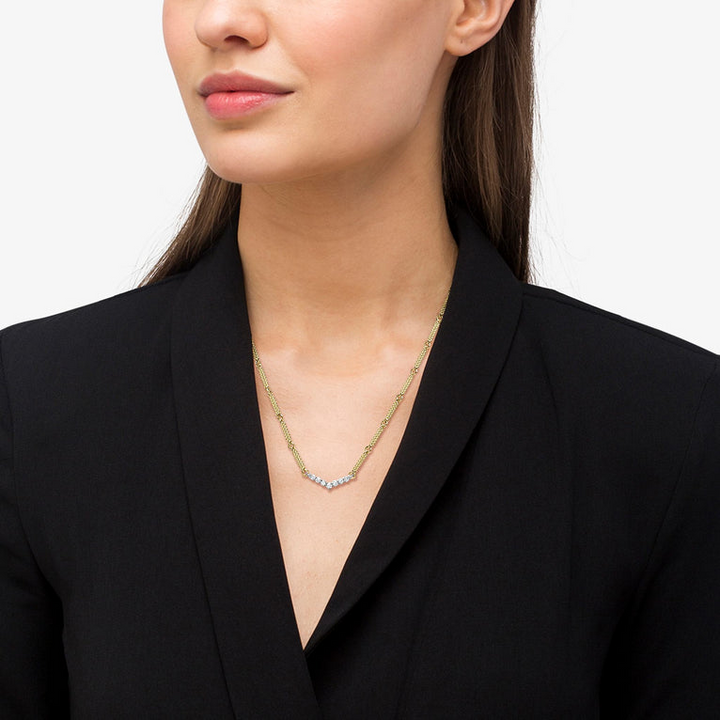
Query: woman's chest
[[491, 602], [316, 430], [499, 589], [317, 527]]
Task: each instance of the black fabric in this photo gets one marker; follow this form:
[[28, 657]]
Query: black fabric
[[546, 543]]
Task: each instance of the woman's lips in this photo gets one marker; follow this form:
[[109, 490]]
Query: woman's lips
[[224, 105], [232, 95]]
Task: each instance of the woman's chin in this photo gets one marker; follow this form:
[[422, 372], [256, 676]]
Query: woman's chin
[[262, 171], [249, 168]]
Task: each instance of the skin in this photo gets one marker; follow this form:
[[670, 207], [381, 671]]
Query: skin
[[345, 244]]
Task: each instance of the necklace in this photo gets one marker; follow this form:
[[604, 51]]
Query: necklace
[[383, 424]]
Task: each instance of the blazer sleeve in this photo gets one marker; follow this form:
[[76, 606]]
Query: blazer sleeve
[[665, 660], [33, 677]]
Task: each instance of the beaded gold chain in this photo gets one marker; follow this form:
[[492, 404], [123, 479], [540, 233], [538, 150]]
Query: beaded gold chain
[[383, 424]]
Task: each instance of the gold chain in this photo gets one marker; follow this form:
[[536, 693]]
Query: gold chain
[[378, 433]]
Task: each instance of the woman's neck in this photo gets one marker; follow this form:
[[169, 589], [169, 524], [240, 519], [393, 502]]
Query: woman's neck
[[338, 265]]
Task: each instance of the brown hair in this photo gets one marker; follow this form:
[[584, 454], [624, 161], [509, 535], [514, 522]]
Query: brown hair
[[487, 153]]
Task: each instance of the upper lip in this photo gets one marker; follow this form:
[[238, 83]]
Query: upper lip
[[237, 82]]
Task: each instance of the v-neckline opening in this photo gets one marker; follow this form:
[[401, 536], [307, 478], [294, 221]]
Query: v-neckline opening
[[317, 631], [321, 626]]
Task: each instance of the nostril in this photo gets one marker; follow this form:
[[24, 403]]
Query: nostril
[[220, 27]]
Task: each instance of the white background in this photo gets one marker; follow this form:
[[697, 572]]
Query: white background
[[97, 158]]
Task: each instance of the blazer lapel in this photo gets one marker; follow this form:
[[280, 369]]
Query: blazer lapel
[[229, 493], [465, 363]]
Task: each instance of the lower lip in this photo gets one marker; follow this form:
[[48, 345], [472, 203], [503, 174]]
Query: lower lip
[[224, 105]]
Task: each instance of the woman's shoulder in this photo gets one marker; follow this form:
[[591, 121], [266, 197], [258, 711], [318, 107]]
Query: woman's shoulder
[[614, 381], [132, 308], [91, 335], [599, 339]]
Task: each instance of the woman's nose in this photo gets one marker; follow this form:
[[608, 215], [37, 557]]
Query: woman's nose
[[224, 24]]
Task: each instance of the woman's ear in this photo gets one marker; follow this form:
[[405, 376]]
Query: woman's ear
[[474, 23]]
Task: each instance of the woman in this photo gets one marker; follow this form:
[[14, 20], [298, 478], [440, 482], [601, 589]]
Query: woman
[[224, 495]]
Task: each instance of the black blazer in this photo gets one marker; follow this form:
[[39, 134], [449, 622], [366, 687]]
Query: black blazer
[[545, 545]]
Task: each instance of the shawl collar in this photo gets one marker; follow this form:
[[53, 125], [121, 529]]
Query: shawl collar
[[226, 470]]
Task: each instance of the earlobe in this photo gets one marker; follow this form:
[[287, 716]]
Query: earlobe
[[476, 22]]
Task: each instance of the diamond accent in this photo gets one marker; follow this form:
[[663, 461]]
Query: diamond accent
[[329, 485]]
